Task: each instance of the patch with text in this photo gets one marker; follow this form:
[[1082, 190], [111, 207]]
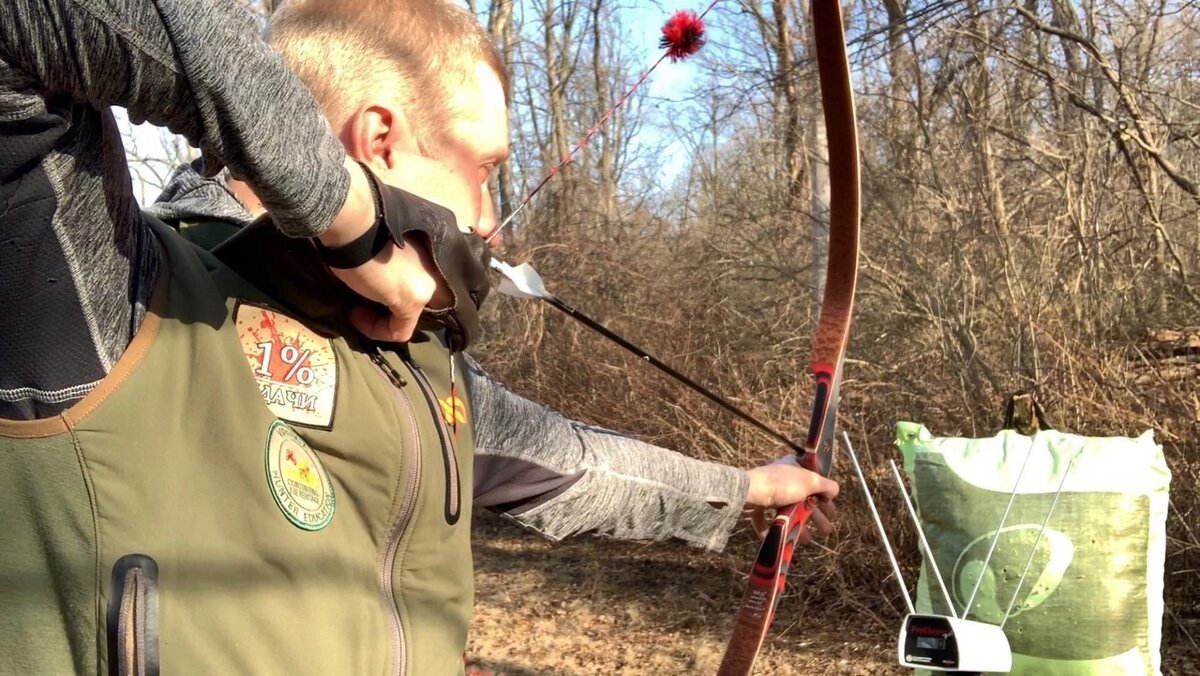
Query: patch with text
[[295, 368], [299, 482]]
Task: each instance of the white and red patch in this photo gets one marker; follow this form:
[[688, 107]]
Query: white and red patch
[[295, 368]]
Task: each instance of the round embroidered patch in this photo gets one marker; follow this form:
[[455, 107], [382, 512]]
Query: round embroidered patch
[[299, 482]]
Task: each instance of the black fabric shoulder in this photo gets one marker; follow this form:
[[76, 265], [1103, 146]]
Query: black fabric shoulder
[[207, 234]]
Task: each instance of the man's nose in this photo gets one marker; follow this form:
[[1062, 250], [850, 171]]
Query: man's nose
[[487, 216]]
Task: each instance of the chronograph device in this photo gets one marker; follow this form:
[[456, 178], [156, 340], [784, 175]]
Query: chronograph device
[[950, 643], [942, 643]]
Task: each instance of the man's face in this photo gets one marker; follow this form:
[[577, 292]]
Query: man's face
[[455, 169]]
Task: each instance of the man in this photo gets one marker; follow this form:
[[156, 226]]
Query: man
[[552, 474], [305, 191]]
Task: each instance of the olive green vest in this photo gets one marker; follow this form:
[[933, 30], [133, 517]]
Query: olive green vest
[[174, 519]]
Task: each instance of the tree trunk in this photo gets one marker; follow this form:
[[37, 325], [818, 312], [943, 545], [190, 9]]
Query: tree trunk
[[500, 28], [607, 178]]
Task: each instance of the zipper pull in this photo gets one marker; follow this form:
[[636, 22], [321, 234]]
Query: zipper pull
[[391, 373]]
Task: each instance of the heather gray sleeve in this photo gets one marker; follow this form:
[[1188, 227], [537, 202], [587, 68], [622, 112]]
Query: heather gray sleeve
[[561, 477], [78, 265], [198, 68]]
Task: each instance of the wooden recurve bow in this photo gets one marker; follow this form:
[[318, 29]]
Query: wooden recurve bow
[[829, 344]]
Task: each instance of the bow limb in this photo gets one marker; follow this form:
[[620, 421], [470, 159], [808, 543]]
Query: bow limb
[[770, 568]]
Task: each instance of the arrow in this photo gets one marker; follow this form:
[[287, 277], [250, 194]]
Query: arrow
[[522, 281]]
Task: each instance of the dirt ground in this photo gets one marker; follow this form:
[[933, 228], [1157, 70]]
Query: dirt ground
[[596, 606]]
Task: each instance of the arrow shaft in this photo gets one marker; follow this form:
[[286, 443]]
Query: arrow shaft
[[603, 330]]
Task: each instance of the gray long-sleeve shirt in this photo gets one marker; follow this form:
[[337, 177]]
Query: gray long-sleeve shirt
[[549, 473], [561, 477], [76, 264]]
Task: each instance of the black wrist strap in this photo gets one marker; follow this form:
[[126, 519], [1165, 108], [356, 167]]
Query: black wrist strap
[[367, 245]]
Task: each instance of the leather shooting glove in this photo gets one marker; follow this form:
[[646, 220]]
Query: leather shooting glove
[[461, 259]]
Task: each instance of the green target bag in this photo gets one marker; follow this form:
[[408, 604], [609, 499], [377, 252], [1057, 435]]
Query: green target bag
[[1092, 600]]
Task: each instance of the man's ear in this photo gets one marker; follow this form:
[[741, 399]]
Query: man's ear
[[374, 134]]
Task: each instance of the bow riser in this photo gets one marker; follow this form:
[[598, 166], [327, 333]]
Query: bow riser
[[818, 445], [765, 588]]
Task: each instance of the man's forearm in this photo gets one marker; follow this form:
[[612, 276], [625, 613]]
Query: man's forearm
[[197, 68], [562, 478]]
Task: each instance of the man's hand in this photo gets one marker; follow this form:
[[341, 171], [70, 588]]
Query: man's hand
[[404, 280], [784, 483]]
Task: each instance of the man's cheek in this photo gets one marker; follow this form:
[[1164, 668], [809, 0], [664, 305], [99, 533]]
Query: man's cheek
[[466, 220]]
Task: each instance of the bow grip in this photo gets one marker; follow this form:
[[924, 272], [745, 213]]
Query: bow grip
[[765, 588]]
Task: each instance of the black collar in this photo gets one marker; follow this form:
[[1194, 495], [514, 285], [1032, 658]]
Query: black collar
[[290, 272]]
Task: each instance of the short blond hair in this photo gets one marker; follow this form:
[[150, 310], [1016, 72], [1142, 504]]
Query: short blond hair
[[347, 50]]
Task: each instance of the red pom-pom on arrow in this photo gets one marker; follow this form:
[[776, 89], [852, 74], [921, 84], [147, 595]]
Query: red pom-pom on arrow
[[682, 35]]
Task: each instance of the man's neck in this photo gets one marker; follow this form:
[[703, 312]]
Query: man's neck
[[245, 195]]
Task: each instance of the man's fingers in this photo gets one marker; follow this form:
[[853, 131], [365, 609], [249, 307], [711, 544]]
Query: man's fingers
[[758, 519], [384, 327], [784, 483], [827, 488], [805, 536], [828, 508], [398, 280], [820, 523], [416, 251], [779, 484]]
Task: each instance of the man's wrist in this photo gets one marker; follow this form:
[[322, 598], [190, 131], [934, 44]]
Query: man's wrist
[[358, 251], [345, 254], [758, 489], [753, 488], [358, 214]]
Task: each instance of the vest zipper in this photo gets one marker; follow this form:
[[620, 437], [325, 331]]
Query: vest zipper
[[133, 617], [449, 460], [387, 563]]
